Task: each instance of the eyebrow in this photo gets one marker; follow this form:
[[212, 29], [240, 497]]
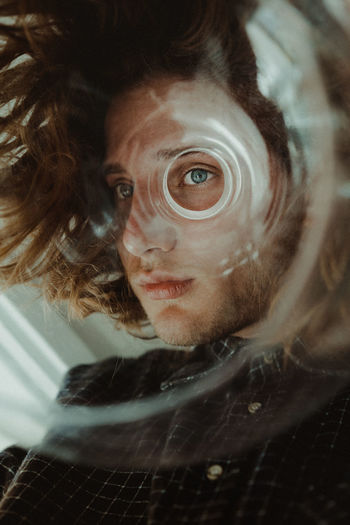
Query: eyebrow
[[168, 154], [112, 167], [164, 154]]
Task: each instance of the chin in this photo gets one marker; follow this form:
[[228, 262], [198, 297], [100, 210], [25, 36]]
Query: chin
[[178, 339], [176, 327], [181, 340]]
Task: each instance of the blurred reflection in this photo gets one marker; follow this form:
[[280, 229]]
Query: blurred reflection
[[185, 167], [189, 168]]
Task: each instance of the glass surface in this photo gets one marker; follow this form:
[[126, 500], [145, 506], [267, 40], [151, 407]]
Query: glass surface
[[214, 192], [198, 180]]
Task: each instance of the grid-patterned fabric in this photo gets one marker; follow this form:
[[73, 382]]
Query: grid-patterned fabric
[[298, 476]]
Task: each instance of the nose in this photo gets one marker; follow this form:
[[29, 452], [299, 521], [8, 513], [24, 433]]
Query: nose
[[146, 230]]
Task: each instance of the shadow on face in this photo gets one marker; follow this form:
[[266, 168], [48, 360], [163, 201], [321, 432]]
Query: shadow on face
[[192, 180]]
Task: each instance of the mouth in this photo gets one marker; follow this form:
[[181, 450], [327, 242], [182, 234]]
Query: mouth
[[160, 286]]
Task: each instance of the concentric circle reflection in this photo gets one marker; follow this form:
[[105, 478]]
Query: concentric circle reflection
[[199, 183]]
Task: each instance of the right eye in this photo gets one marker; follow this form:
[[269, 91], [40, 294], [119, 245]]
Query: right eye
[[123, 191]]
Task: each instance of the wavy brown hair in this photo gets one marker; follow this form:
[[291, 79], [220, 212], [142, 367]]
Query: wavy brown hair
[[62, 62]]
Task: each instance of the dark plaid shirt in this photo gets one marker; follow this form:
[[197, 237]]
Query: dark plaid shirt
[[272, 446]]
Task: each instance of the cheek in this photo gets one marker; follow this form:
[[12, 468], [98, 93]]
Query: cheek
[[128, 260], [222, 245], [221, 236]]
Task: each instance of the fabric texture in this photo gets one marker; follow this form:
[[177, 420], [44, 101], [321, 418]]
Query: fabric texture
[[267, 471]]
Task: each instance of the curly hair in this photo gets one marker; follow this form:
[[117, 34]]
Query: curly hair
[[62, 62]]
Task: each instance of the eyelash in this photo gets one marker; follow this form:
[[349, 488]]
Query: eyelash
[[210, 176], [116, 187]]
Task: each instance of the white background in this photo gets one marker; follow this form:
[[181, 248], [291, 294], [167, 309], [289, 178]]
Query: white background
[[37, 346]]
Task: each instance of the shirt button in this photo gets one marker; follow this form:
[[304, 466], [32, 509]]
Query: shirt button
[[214, 472], [254, 407], [268, 358]]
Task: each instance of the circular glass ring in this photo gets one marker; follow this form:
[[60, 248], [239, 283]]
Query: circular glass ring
[[198, 183]]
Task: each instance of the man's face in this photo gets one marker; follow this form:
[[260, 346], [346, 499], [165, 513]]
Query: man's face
[[197, 279]]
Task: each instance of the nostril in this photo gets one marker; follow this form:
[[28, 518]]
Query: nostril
[[139, 238]]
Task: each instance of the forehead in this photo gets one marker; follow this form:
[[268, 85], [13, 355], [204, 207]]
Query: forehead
[[167, 111], [134, 109]]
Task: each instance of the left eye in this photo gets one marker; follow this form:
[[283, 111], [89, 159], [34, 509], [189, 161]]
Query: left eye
[[197, 176]]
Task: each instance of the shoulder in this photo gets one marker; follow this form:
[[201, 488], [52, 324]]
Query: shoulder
[[10, 461], [117, 379]]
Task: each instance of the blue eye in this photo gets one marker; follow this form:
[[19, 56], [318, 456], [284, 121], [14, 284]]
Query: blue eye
[[123, 191], [196, 176]]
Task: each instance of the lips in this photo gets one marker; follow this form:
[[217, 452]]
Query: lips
[[159, 285]]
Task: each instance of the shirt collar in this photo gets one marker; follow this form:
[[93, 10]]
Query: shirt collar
[[203, 360]]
